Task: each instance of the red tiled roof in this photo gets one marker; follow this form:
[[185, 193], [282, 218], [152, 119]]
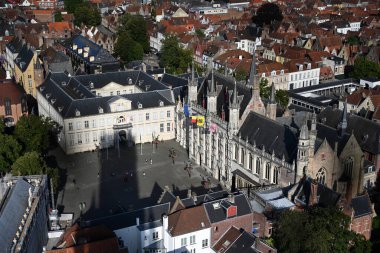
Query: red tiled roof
[[188, 220]]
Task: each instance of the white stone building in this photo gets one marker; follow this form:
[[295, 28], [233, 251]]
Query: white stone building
[[100, 110]]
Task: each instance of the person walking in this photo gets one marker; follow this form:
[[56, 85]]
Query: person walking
[[151, 161]]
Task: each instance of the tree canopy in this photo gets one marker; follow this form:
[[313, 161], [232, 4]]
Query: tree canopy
[[33, 133], [58, 16], [84, 12], [266, 14], [317, 230], [173, 57], [10, 150], [132, 40], [365, 68], [282, 98], [31, 163], [240, 75], [264, 88]]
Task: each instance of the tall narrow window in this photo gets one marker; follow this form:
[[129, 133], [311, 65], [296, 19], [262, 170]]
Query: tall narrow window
[[250, 161], [8, 108], [267, 170], [275, 175], [258, 165], [348, 166], [321, 176]]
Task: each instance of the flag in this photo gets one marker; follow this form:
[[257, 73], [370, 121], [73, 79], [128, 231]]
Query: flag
[[186, 110], [213, 128], [200, 121], [194, 119]]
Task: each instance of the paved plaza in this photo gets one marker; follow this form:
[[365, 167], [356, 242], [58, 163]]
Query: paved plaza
[[108, 183]]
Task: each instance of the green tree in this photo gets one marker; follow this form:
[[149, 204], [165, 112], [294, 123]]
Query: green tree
[[317, 230], [240, 75], [31, 163], [200, 34], [128, 49], [282, 98], [265, 89], [10, 150], [33, 133], [87, 14], [174, 58], [58, 17], [2, 125], [135, 27], [266, 14], [365, 68], [353, 40]]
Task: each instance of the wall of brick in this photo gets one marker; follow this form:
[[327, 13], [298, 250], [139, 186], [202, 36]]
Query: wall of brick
[[362, 225]]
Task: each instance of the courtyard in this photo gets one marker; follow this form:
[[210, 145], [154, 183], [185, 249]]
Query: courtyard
[[106, 182]]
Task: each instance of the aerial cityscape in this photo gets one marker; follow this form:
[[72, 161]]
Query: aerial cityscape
[[189, 126]]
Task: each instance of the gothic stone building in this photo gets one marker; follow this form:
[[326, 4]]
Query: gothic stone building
[[242, 145]]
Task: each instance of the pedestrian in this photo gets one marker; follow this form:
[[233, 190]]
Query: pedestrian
[[146, 161], [143, 173], [98, 174], [151, 161]]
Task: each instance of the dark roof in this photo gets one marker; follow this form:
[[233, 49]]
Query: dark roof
[[15, 45], [71, 93], [101, 55], [220, 214], [123, 220], [361, 206], [24, 58], [174, 81], [12, 209], [332, 136], [366, 132], [245, 243], [271, 135], [223, 96]]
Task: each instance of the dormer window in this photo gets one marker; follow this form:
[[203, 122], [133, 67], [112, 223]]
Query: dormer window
[[53, 101], [273, 73], [129, 80], [100, 109], [91, 85], [263, 75], [161, 103], [300, 67], [42, 88], [309, 66], [77, 113], [282, 72], [60, 108], [48, 95], [139, 105]]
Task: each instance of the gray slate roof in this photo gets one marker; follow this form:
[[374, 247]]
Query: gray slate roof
[[15, 45], [72, 93], [12, 210], [24, 58], [271, 135], [361, 206], [219, 214], [367, 132], [101, 55]]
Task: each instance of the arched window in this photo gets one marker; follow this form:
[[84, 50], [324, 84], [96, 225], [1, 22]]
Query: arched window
[[275, 175], [250, 161], [321, 176], [236, 152], [258, 165], [348, 166], [267, 171], [242, 157]]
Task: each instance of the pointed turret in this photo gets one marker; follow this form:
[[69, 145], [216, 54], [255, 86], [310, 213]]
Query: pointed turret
[[343, 122], [211, 95], [273, 94], [271, 110], [234, 109], [192, 87]]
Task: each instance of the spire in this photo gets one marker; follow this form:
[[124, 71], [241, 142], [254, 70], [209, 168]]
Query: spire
[[234, 98], [252, 73], [343, 123], [212, 88], [193, 82], [273, 94]]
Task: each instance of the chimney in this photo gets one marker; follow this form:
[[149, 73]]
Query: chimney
[[137, 221], [189, 193], [165, 222], [144, 67], [313, 193], [231, 198]]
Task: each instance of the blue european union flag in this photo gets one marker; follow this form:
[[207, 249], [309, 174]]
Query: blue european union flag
[[186, 110]]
